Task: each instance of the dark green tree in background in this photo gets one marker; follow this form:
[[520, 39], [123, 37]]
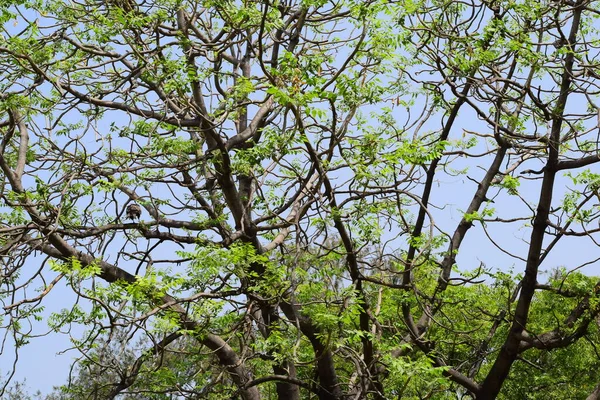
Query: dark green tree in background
[[338, 199]]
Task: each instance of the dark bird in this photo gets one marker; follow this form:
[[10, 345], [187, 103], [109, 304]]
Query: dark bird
[[133, 211]]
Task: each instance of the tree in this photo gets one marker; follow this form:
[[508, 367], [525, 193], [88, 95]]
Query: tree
[[296, 165]]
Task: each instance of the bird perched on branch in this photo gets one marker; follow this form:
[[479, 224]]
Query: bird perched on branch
[[133, 211]]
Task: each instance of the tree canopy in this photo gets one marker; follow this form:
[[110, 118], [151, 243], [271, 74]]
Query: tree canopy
[[302, 199]]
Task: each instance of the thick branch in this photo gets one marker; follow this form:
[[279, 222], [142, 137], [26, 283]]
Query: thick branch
[[510, 350]]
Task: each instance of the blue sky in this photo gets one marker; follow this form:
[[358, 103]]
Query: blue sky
[[452, 195]]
